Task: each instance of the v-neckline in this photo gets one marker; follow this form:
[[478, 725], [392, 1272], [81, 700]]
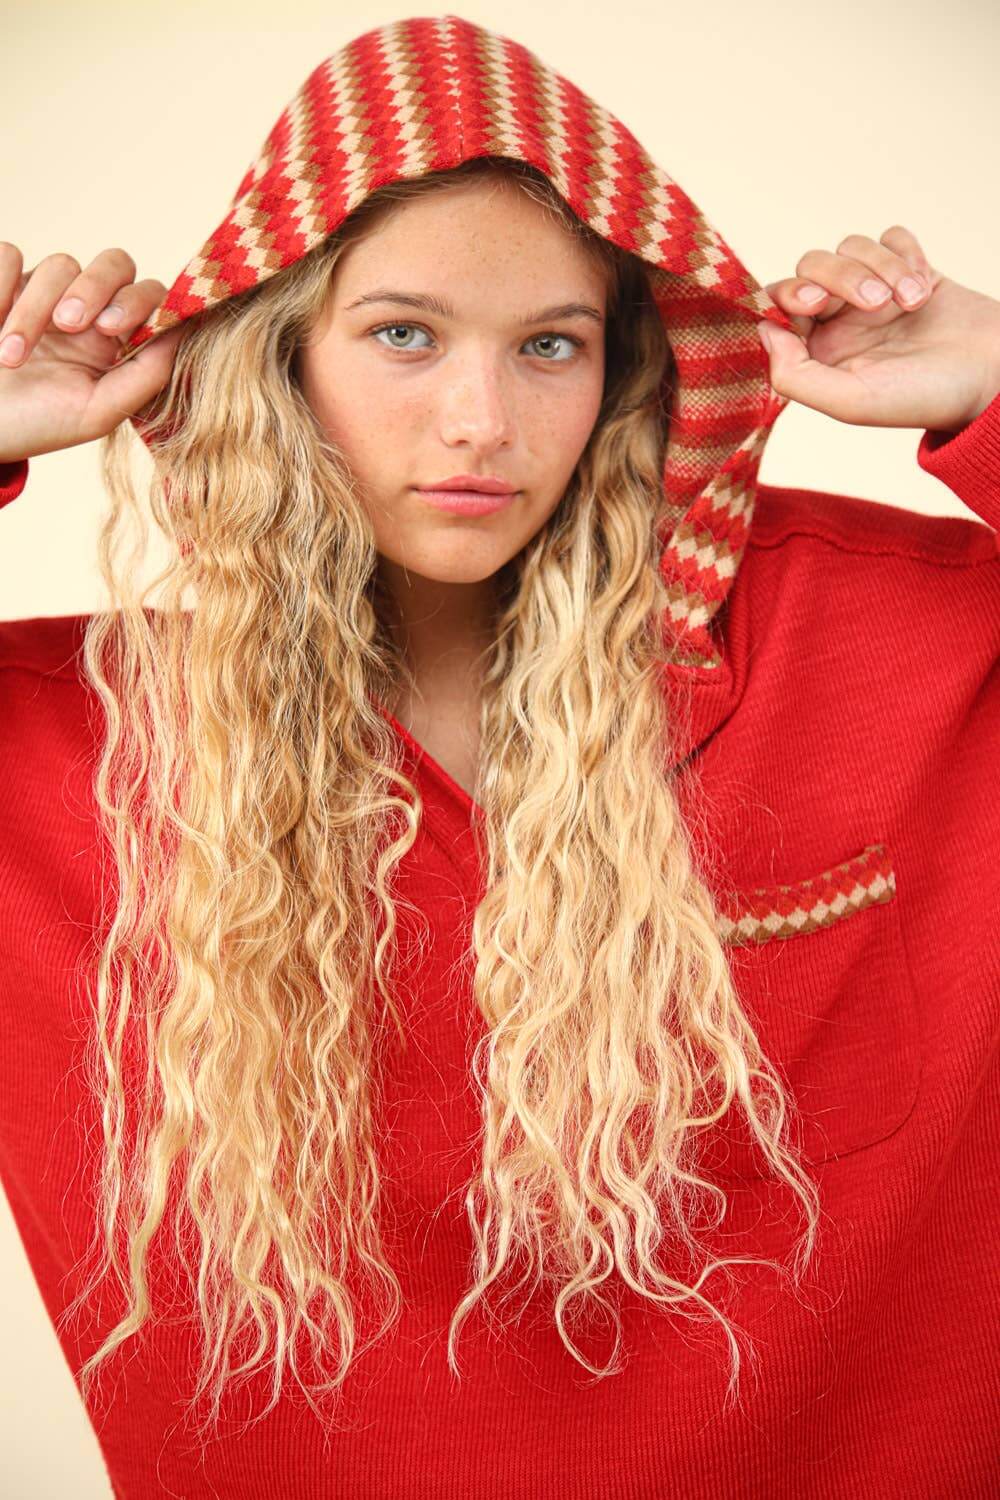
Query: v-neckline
[[423, 755]]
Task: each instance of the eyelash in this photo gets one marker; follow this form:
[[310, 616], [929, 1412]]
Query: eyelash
[[398, 323]]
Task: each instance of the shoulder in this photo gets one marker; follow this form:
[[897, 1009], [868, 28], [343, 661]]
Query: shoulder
[[46, 645], [852, 524], [877, 596], [48, 727]]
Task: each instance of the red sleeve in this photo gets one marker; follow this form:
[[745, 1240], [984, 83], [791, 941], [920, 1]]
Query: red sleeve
[[13, 477], [968, 462]]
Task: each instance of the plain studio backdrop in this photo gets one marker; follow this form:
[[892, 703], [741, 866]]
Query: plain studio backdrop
[[790, 125]]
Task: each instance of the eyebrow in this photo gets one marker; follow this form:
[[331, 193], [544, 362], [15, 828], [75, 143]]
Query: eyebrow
[[425, 302]]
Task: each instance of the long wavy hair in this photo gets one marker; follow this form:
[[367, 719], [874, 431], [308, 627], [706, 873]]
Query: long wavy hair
[[254, 811]]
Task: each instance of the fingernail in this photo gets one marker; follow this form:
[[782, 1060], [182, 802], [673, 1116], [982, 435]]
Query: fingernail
[[874, 291], [70, 311], [12, 348], [111, 316], [811, 294], [764, 334], [909, 289]]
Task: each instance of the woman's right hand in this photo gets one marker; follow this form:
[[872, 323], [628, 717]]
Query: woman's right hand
[[62, 389]]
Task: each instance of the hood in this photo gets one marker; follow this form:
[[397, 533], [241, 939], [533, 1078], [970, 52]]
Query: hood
[[426, 93]]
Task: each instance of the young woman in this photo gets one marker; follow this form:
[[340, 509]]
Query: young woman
[[521, 863]]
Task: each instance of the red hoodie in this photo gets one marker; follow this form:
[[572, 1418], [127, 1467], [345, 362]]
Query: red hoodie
[[841, 661]]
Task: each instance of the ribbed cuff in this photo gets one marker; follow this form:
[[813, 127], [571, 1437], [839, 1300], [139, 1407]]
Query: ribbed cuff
[[13, 478], [968, 462]]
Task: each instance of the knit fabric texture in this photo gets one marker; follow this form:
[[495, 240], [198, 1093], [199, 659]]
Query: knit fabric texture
[[842, 747]]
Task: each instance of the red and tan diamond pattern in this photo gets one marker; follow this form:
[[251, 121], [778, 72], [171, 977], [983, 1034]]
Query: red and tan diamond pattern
[[426, 93], [785, 911]]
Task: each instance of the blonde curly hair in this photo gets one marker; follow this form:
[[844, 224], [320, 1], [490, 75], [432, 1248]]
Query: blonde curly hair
[[252, 796]]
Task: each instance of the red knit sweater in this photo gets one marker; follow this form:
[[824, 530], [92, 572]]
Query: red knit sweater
[[840, 661], [850, 750]]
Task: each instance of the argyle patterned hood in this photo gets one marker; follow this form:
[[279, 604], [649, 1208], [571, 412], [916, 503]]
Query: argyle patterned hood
[[424, 94]]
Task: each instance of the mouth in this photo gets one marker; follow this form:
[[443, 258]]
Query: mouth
[[468, 502]]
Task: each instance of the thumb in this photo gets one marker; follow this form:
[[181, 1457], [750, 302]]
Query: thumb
[[785, 348], [128, 386], [795, 374]]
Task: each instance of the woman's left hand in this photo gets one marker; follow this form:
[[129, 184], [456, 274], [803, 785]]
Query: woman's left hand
[[933, 362]]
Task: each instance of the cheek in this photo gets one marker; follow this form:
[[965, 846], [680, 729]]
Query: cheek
[[566, 421], [356, 407], [585, 412]]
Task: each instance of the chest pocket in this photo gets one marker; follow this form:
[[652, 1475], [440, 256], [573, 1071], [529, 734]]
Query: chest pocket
[[821, 969]]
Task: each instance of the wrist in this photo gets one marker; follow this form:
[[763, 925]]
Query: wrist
[[992, 391]]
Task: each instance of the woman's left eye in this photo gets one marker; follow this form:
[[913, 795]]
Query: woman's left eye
[[566, 338]]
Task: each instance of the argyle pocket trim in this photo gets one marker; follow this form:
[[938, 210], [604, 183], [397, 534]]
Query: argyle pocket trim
[[786, 911]]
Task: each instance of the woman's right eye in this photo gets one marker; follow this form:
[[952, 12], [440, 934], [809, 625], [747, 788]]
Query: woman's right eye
[[391, 327]]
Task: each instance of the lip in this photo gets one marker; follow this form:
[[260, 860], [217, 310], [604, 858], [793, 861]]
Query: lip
[[468, 502], [483, 484]]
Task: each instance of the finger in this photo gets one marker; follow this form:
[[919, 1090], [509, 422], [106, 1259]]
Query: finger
[[38, 292], [131, 306], [792, 295], [910, 283], [792, 373], [866, 274], [93, 288], [11, 269], [906, 245]]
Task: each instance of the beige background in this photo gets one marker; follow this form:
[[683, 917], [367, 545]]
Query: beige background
[[791, 125]]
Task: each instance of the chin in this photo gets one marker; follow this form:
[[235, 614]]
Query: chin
[[460, 573]]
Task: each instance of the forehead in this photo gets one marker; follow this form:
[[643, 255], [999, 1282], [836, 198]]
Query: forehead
[[486, 230]]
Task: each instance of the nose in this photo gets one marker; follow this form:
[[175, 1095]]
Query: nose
[[476, 406]]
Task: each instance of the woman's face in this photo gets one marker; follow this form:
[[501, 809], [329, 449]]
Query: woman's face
[[489, 383]]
